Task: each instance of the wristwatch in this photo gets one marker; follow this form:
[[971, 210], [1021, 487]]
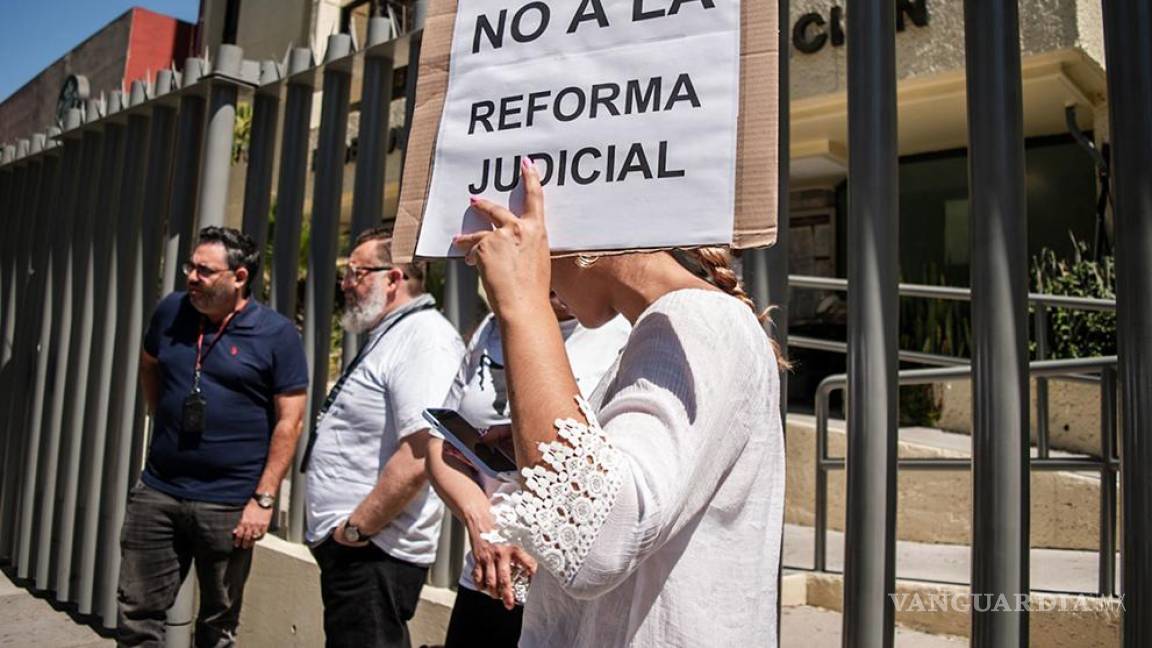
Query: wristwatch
[[352, 533], [264, 500]]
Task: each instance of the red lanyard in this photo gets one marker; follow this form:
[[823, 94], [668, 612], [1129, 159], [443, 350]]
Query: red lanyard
[[201, 354]]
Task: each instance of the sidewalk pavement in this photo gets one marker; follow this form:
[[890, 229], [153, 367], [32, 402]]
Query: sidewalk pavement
[[27, 621]]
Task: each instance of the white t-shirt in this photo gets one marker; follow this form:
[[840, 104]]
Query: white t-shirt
[[480, 391], [382, 402]]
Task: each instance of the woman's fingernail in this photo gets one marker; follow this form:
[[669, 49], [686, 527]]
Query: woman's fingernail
[[473, 200], [527, 163]]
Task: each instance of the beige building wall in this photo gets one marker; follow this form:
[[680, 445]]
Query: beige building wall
[[1063, 64]]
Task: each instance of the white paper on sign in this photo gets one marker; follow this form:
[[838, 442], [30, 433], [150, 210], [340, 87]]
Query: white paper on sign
[[628, 108]]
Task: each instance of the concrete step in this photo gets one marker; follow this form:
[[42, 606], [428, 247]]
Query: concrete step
[[1055, 570], [935, 506], [804, 626]]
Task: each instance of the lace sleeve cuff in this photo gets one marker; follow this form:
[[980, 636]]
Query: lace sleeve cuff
[[565, 500]]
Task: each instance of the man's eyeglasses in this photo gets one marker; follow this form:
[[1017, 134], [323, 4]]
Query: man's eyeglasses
[[356, 274], [202, 271]]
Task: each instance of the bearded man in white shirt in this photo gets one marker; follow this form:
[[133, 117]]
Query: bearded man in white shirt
[[373, 521]]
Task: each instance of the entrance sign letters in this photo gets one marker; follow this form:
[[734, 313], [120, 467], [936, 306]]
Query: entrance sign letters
[[629, 109]]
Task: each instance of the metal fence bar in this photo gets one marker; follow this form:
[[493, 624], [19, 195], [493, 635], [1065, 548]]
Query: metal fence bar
[[75, 391], [319, 291], [158, 188], [261, 159], [7, 297], [1041, 323], [50, 199], [216, 160], [11, 427], [290, 188], [1128, 52], [999, 239], [31, 265], [87, 437], [185, 175], [75, 155], [105, 310], [121, 414], [1107, 568], [372, 144], [873, 326]]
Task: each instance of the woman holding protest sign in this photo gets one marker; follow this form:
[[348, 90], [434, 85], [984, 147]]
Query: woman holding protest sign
[[655, 512]]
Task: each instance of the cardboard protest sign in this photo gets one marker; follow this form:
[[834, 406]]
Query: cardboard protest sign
[[652, 122]]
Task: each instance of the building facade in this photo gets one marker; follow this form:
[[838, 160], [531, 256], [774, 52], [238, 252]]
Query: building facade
[[133, 46]]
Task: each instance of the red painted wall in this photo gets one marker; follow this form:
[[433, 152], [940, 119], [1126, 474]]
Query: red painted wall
[[155, 42]]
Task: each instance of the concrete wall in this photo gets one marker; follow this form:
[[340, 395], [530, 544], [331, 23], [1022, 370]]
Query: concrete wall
[[283, 609], [1046, 26]]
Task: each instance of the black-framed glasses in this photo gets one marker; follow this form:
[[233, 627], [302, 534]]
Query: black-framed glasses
[[356, 274], [201, 270]]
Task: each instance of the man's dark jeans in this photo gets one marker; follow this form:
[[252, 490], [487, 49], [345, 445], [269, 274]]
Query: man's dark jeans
[[162, 537], [369, 596]]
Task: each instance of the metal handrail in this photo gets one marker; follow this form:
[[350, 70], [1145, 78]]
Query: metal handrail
[[1108, 464], [954, 293], [1040, 301]]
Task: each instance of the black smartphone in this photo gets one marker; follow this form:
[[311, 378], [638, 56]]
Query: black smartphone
[[490, 460]]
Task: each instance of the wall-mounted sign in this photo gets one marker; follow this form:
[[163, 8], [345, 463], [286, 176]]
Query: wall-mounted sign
[[812, 31]]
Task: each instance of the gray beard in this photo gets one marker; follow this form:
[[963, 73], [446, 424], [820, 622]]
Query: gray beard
[[362, 316]]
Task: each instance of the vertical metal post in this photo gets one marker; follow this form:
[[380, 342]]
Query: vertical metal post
[[873, 325], [92, 372], [105, 310], [216, 162], [158, 190], [320, 288], [49, 206], [185, 175], [1041, 321], [1129, 66], [125, 338], [1000, 438], [261, 155], [1107, 568], [372, 145], [76, 391], [79, 160], [291, 184], [26, 177]]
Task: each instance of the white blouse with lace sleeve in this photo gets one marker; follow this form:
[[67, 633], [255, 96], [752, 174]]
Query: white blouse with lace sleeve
[[659, 522], [565, 501]]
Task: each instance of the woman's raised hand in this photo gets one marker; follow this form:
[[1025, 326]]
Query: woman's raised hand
[[513, 258]]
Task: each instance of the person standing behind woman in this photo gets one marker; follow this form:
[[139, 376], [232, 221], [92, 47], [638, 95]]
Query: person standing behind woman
[[480, 395], [655, 511]]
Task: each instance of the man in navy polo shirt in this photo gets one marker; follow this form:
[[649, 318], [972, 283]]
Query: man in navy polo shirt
[[224, 378]]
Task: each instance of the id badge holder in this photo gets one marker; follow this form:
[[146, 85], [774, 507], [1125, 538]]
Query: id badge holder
[[192, 416]]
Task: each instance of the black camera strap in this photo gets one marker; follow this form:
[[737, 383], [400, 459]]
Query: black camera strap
[[347, 373]]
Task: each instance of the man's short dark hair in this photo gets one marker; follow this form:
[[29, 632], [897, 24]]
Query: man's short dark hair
[[414, 272], [239, 248]]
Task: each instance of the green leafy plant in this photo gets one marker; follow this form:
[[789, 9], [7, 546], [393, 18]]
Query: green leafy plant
[[241, 132], [1076, 333]]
